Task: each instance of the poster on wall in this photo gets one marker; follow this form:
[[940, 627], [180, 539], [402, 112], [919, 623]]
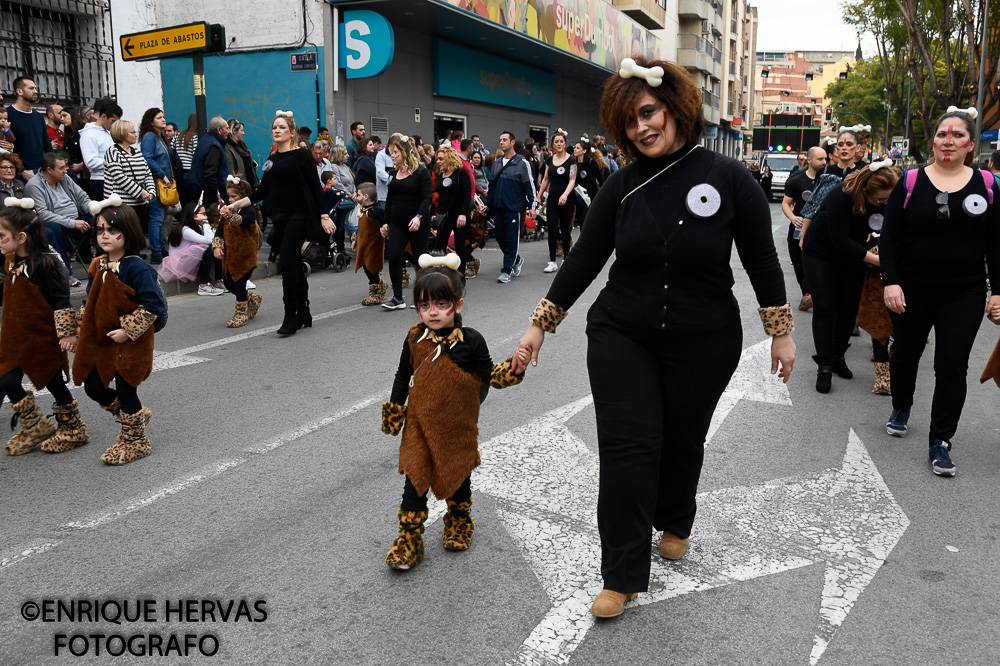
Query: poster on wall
[[590, 29]]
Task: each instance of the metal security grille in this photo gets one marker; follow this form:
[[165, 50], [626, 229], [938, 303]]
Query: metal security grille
[[64, 45], [379, 127]]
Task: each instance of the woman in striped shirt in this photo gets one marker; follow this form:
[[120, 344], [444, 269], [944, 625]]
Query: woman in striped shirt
[[127, 174], [185, 143]]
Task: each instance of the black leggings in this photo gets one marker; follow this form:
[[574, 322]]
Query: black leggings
[[654, 395], [237, 287], [955, 319], [10, 386], [413, 501], [373, 278], [289, 236], [836, 294], [795, 252], [128, 395], [208, 261], [581, 211], [398, 238], [440, 241], [559, 220]]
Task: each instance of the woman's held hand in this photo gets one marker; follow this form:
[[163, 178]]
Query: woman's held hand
[[527, 349], [783, 354], [460, 222], [993, 309], [894, 299], [415, 223]]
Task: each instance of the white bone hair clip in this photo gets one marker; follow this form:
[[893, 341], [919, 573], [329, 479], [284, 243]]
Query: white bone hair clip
[[875, 166], [233, 179], [653, 75], [450, 260], [972, 111], [97, 206], [13, 202], [282, 114]]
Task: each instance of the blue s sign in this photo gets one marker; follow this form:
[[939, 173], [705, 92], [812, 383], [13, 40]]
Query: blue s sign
[[366, 44]]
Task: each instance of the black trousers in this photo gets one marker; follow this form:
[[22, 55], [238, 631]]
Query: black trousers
[[462, 237], [238, 288], [955, 319], [208, 261], [795, 252], [413, 501], [289, 236], [654, 394], [836, 294], [128, 395], [559, 220], [396, 247], [10, 386], [373, 278]]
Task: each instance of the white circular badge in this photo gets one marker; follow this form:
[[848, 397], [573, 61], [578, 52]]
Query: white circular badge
[[807, 195], [583, 174], [703, 201], [974, 205], [446, 182], [875, 222], [267, 166]]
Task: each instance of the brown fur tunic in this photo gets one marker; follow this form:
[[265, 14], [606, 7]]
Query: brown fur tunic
[[992, 369], [28, 331], [439, 447], [873, 316], [240, 254], [371, 245], [109, 299]]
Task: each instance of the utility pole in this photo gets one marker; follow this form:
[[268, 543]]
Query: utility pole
[[982, 74]]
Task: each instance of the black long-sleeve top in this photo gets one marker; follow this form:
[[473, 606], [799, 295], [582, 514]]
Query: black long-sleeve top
[[408, 197], [839, 235], [287, 182], [49, 274], [918, 248], [472, 355], [671, 268], [454, 195], [588, 174]]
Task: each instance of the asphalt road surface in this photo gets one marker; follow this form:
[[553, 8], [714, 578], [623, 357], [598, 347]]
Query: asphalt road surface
[[257, 528]]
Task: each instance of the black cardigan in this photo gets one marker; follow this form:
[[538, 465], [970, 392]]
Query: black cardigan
[[671, 268], [839, 235], [290, 186]]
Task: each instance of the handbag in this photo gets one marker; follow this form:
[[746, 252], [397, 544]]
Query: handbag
[[168, 193], [438, 221]]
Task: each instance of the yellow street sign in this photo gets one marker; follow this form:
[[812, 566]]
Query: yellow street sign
[[165, 42]]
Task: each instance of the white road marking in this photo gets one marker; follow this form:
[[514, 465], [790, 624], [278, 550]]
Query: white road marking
[[751, 381], [26, 552]]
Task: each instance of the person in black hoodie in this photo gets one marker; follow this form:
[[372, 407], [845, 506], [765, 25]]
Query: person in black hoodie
[[664, 335], [296, 199]]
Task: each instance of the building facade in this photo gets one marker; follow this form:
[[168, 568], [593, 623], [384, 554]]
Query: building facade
[[796, 82]]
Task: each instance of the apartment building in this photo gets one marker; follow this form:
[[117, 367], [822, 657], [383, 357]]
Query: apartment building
[[796, 82]]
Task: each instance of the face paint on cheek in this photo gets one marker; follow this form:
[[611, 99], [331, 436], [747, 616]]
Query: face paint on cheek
[[449, 311], [663, 125]]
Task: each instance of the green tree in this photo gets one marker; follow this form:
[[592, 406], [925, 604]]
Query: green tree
[[859, 97]]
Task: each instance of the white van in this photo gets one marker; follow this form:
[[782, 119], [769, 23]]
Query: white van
[[781, 167]]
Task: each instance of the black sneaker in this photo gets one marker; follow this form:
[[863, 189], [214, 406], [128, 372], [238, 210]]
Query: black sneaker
[[939, 459], [394, 304], [897, 423]]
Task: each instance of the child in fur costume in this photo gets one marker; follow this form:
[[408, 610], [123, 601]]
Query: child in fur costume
[[116, 334], [445, 370], [236, 243], [38, 328], [369, 243]]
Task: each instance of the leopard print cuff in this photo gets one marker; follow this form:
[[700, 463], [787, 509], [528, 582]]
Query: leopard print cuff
[[393, 415], [137, 322], [777, 320], [547, 315], [218, 243], [235, 219], [65, 322], [503, 375]]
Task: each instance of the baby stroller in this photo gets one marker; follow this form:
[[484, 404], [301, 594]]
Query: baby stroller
[[318, 255], [534, 228]]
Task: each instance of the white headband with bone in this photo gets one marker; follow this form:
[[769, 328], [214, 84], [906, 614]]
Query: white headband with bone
[[971, 111], [235, 180], [282, 114], [13, 202], [97, 206], [451, 260], [875, 166], [653, 75]]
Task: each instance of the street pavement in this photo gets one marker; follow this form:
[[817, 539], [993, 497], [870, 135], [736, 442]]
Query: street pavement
[[819, 538]]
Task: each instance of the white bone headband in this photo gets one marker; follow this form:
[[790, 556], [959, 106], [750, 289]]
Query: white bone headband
[[404, 138], [875, 166], [233, 179], [653, 75], [282, 114], [97, 206], [971, 111], [560, 130], [452, 261], [13, 202]]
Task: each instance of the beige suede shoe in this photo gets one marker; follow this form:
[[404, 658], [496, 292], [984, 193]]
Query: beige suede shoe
[[672, 547], [610, 603]]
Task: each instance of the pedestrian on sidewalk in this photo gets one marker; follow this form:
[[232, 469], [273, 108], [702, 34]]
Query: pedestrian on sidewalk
[[445, 372], [512, 191], [559, 178], [665, 335]]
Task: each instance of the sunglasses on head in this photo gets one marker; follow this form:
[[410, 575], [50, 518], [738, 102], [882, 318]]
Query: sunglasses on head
[[943, 212]]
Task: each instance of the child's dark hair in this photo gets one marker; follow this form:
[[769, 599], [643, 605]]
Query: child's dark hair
[[185, 220], [368, 190], [26, 221], [326, 176], [439, 283], [241, 188], [123, 219], [213, 214]]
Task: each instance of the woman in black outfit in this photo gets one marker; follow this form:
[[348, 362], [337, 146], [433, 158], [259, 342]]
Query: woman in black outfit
[[454, 190], [72, 123], [588, 174], [294, 197], [932, 247], [766, 178], [407, 213], [364, 163], [559, 176], [834, 256], [664, 336]]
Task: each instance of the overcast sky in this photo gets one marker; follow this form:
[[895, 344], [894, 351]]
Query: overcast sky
[[806, 25]]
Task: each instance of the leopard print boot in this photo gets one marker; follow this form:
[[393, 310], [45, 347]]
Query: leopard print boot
[[253, 304], [406, 278], [132, 442], [458, 525], [71, 433], [35, 427], [882, 384], [240, 318], [408, 549], [373, 297]]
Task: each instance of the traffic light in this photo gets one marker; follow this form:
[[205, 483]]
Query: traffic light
[[829, 114]]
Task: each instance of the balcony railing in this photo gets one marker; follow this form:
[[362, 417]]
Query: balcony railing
[[729, 109], [732, 67], [733, 24], [688, 40], [709, 98]]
